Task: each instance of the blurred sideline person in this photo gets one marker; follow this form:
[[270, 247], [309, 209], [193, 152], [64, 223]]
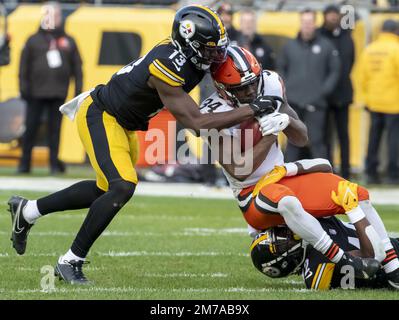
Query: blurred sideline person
[[271, 192], [226, 12], [342, 95], [253, 42], [310, 66], [277, 252], [108, 118], [379, 82], [49, 59]]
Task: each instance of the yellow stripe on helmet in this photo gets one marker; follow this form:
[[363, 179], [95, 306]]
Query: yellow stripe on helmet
[[260, 239], [217, 18]]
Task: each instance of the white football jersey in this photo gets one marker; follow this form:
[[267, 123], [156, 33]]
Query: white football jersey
[[270, 85]]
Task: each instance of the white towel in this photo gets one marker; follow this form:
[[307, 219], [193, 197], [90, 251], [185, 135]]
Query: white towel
[[72, 106]]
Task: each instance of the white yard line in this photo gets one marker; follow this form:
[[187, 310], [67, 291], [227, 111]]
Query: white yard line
[[51, 184], [186, 275], [141, 254], [154, 290], [169, 254]]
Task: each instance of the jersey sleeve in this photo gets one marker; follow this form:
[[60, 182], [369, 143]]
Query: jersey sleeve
[[168, 71], [316, 272]]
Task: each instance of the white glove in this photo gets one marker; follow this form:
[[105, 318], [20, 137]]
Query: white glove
[[273, 123]]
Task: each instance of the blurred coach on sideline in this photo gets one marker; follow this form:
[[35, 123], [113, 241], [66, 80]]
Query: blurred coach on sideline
[[48, 61], [310, 68], [342, 95], [379, 70]]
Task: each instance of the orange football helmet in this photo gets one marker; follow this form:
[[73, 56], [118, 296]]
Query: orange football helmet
[[237, 79]]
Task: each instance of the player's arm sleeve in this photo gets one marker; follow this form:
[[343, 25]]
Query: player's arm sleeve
[[306, 166], [164, 70]]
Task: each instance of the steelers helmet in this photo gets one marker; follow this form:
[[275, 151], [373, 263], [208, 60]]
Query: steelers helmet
[[277, 252], [199, 34], [238, 78]]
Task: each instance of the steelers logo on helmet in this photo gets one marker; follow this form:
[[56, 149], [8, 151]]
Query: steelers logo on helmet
[[187, 29], [199, 33]]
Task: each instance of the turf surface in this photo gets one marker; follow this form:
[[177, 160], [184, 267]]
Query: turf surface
[[157, 248]]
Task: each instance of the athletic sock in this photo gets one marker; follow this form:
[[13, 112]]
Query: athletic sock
[[308, 228], [391, 262], [78, 196], [100, 215], [31, 212], [329, 248], [70, 256]]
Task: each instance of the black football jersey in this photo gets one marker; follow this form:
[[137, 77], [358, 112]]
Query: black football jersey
[[127, 96], [319, 273]]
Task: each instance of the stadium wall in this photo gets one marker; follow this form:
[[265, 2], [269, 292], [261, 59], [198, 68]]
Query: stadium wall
[[147, 26]]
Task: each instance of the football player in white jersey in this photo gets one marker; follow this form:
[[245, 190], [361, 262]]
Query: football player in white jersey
[[296, 200]]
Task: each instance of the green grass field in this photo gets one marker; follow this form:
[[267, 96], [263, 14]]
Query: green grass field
[[157, 248]]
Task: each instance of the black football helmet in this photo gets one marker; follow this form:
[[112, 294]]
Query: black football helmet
[[277, 252], [199, 34]]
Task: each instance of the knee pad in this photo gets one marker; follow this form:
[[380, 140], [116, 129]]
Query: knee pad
[[270, 195], [289, 205], [123, 190]]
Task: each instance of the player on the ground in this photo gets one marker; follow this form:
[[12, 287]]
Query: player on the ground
[[278, 252], [108, 117], [293, 200]]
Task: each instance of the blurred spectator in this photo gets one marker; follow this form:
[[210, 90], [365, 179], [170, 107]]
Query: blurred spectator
[[310, 66], [48, 61], [254, 42], [379, 70], [340, 99], [226, 12]]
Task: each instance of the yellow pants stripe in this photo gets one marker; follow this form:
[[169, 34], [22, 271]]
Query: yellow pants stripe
[[121, 150]]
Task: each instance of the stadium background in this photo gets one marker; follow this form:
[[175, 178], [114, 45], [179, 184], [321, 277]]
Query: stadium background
[[158, 247], [131, 31]]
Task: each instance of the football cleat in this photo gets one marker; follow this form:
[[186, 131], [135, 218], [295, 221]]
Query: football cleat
[[365, 268], [71, 272], [393, 279], [20, 227]]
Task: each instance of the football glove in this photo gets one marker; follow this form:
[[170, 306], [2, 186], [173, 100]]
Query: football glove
[[264, 105], [272, 176], [273, 123], [347, 196]]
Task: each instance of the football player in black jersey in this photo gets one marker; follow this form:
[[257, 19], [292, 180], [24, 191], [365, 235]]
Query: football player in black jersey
[[108, 117], [277, 252]]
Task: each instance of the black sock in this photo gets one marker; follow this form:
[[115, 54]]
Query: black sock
[[78, 196], [101, 213]]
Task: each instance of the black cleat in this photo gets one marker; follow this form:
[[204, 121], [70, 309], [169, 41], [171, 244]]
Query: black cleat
[[365, 268], [393, 279], [71, 272], [20, 227]]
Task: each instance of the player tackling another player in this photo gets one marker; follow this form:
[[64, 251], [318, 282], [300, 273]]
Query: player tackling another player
[[275, 193], [107, 118], [278, 252]]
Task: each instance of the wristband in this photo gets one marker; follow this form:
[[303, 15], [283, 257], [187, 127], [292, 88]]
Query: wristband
[[355, 215], [292, 169]]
